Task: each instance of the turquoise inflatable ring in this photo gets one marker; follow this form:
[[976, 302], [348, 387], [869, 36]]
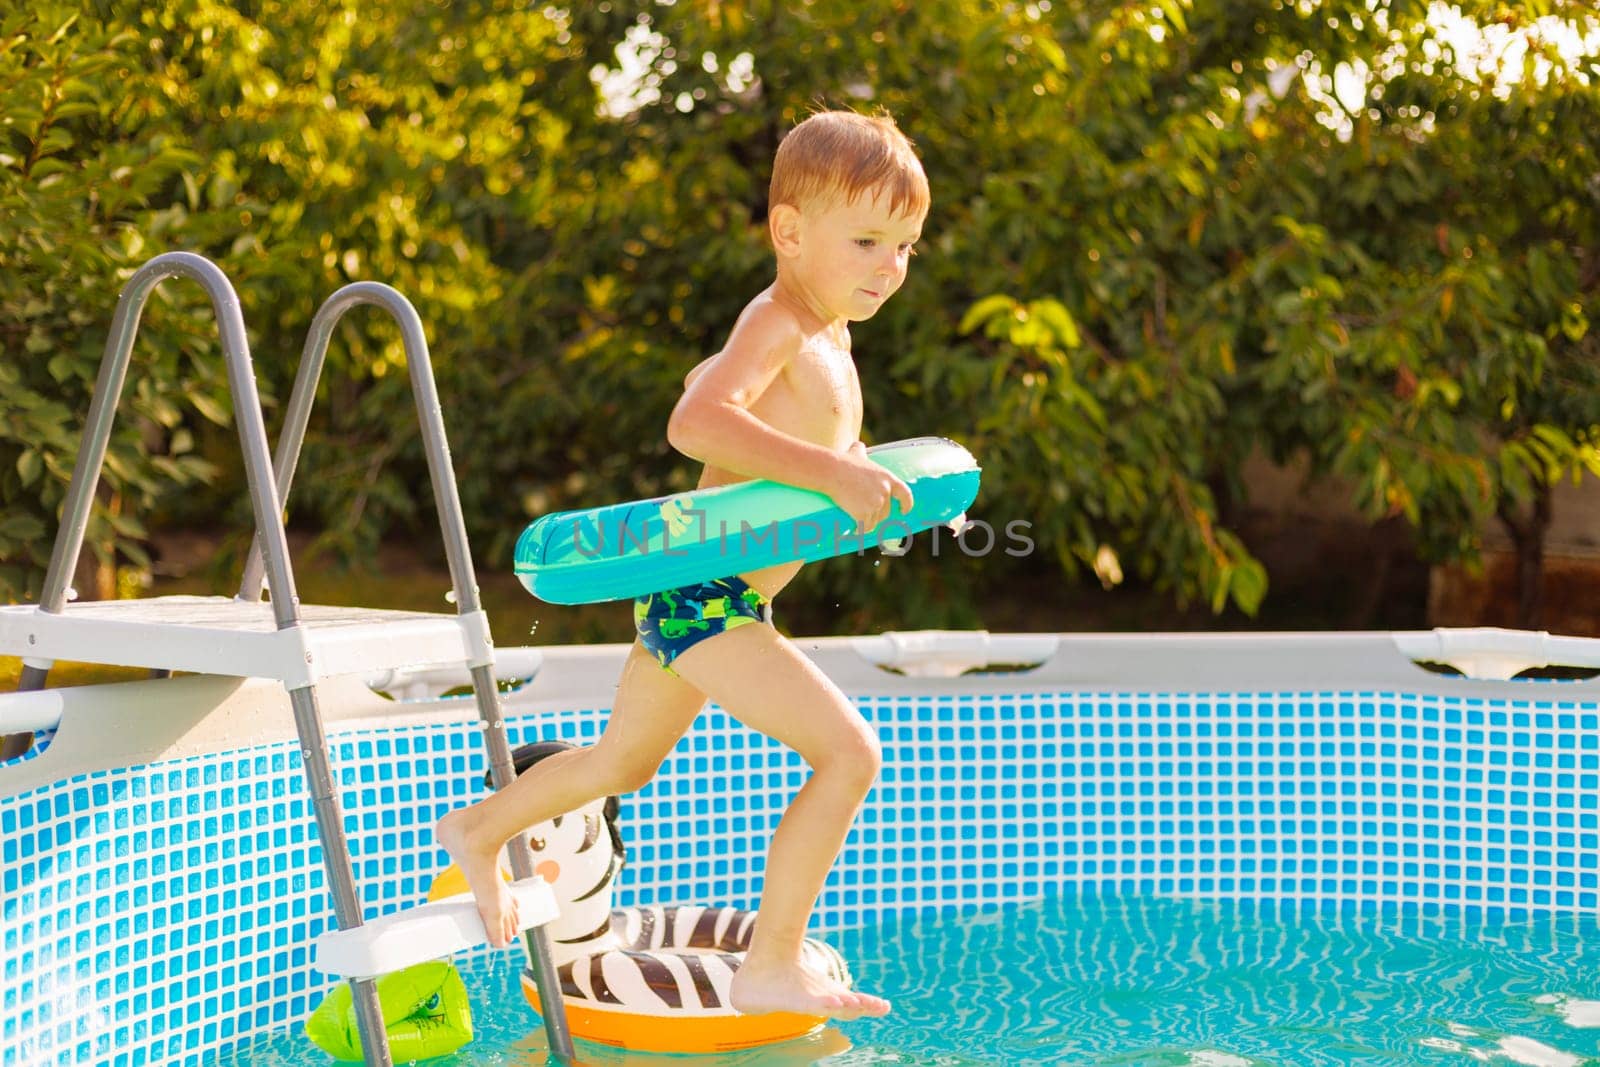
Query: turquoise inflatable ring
[[629, 550]]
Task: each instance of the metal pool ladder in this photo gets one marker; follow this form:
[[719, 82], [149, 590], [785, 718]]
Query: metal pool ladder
[[294, 644]]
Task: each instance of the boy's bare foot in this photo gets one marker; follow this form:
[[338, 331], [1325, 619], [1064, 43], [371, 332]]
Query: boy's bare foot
[[758, 989], [496, 906]]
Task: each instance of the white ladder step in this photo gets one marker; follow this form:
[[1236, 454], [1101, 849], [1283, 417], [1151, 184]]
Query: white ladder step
[[426, 932], [221, 635]]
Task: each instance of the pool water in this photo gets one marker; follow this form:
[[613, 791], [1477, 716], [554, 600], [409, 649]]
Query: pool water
[[1153, 982]]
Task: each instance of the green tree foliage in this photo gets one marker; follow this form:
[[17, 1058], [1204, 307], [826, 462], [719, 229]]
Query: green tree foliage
[[1164, 236], [345, 147], [85, 173], [1419, 320], [1393, 286]]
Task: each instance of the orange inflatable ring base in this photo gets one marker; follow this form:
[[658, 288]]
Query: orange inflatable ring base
[[638, 1032]]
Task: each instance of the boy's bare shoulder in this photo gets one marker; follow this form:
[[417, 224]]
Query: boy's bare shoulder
[[769, 323], [766, 334]]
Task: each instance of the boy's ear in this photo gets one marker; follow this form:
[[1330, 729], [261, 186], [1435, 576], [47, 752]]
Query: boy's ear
[[783, 222]]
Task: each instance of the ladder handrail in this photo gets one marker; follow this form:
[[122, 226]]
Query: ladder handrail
[[447, 499], [246, 412], [453, 528]]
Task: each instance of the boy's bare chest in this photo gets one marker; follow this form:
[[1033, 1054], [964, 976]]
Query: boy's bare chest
[[818, 396]]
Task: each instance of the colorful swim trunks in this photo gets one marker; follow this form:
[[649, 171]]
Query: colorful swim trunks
[[673, 622]]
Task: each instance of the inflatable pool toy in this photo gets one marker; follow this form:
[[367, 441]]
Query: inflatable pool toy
[[657, 981], [647, 979], [629, 550], [425, 1013], [450, 882]]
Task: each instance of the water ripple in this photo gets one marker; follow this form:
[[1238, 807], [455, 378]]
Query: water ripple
[[1135, 982], [1169, 982]]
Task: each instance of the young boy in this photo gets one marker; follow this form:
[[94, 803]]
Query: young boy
[[780, 401]]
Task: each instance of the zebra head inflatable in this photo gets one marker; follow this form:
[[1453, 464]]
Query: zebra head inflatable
[[580, 854]]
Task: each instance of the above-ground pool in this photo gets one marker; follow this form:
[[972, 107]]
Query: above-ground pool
[[1215, 850]]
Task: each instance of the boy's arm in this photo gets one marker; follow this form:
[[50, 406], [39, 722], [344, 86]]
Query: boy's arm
[[712, 423]]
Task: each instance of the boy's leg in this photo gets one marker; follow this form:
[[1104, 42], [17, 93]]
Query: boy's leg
[[760, 678], [651, 710]]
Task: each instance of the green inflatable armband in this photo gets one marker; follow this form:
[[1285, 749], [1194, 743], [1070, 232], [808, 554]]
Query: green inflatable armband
[[425, 1013]]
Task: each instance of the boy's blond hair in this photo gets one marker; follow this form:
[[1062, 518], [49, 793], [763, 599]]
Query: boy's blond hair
[[842, 154]]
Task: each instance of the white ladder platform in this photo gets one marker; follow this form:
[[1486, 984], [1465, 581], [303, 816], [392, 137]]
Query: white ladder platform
[[426, 932], [222, 635]]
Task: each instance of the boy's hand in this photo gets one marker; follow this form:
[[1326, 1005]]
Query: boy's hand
[[865, 491]]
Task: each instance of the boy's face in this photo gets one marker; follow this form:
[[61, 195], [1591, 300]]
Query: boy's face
[[851, 257]]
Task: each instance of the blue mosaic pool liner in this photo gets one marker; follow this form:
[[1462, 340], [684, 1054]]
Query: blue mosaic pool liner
[[162, 914]]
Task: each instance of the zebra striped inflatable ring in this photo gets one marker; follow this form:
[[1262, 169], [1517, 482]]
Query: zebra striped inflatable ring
[[647, 979], [661, 983]]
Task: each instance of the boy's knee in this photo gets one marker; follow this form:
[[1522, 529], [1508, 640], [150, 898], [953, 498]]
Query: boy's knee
[[871, 752], [859, 757]]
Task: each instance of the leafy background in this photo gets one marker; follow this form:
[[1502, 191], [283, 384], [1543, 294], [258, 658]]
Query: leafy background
[[1170, 240]]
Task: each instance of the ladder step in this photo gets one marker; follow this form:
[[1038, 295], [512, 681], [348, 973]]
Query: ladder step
[[219, 635], [425, 932]]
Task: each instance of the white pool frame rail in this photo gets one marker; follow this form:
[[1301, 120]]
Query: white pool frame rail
[[958, 660], [1483, 652], [930, 660]]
